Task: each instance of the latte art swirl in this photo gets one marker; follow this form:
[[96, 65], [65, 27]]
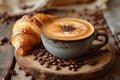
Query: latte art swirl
[[68, 29]]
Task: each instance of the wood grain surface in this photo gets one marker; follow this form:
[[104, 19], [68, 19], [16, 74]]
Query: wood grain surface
[[6, 50]]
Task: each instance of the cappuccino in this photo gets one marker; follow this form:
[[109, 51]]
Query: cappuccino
[[69, 38], [68, 29]]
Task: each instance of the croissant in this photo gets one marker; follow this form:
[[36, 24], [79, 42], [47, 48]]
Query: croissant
[[26, 32]]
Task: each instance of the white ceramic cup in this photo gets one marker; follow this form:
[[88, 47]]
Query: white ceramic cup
[[74, 48]]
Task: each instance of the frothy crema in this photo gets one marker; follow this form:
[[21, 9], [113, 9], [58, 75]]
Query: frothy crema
[[68, 29]]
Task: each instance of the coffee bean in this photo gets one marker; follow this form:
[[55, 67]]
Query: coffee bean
[[76, 66], [72, 62], [92, 63], [35, 52], [62, 64], [59, 60], [52, 59], [3, 39], [35, 58], [24, 7], [13, 72], [42, 62], [57, 68], [47, 59], [117, 33], [47, 62], [40, 54], [27, 74], [40, 50], [45, 56], [20, 68], [33, 78], [72, 66], [40, 59], [67, 63], [69, 68], [46, 65], [54, 63], [49, 55], [73, 69]]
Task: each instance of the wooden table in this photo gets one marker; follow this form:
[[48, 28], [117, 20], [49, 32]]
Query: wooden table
[[7, 51]]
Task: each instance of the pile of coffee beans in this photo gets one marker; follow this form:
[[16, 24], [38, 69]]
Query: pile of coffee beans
[[47, 60], [94, 17], [5, 18]]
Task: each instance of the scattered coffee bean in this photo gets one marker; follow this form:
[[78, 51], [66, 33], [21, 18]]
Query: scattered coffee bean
[[35, 58], [54, 63], [59, 60], [27, 74], [72, 66], [49, 55], [33, 78], [20, 68], [40, 59], [73, 69], [45, 56], [62, 64], [23, 6], [69, 68], [52, 59], [46, 65], [117, 33], [67, 63], [41, 62], [57, 68], [76, 66], [40, 54], [35, 52], [13, 72], [4, 39], [92, 63]]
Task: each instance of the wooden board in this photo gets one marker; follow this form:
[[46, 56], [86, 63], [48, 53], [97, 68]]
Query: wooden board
[[85, 72], [6, 50]]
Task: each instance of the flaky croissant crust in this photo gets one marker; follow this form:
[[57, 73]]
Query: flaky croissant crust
[[26, 32]]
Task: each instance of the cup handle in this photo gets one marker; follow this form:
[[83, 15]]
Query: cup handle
[[100, 33]]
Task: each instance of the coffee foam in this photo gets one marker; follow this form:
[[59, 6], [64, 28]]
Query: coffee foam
[[81, 29]]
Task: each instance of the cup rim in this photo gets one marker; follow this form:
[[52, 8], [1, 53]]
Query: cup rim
[[88, 36]]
